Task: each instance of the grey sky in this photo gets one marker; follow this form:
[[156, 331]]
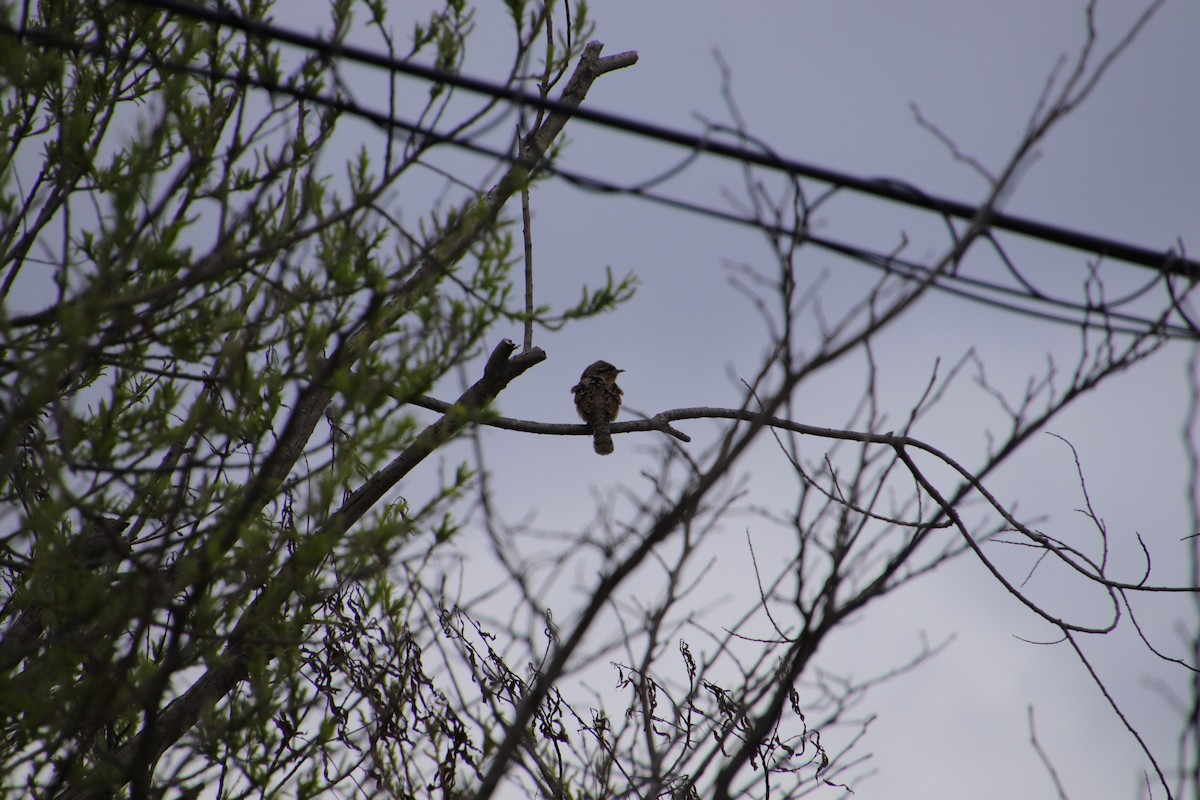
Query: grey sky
[[831, 83]]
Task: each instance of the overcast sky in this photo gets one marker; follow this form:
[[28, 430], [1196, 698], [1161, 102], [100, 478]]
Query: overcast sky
[[831, 83]]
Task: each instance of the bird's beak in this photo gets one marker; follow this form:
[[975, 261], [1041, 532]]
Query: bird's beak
[[620, 370]]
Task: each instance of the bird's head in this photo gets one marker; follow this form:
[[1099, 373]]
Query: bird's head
[[602, 370]]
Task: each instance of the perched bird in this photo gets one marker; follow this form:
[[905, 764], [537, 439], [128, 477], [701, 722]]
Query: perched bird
[[598, 399]]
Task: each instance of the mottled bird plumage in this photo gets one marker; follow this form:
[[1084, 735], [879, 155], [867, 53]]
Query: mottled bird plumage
[[598, 399]]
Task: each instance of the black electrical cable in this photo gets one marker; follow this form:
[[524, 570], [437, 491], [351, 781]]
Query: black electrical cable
[[886, 188], [888, 263]]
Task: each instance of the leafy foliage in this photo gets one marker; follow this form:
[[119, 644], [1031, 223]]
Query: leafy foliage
[[191, 286]]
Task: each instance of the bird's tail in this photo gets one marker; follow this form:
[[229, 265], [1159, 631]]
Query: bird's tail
[[602, 441]]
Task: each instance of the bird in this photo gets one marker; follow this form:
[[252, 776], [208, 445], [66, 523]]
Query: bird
[[598, 399]]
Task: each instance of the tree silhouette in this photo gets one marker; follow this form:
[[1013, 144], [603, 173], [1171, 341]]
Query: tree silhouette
[[232, 566]]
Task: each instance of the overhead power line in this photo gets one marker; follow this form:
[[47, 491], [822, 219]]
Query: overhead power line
[[1024, 299], [889, 189]]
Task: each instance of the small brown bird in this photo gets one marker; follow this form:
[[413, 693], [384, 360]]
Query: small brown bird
[[598, 399]]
